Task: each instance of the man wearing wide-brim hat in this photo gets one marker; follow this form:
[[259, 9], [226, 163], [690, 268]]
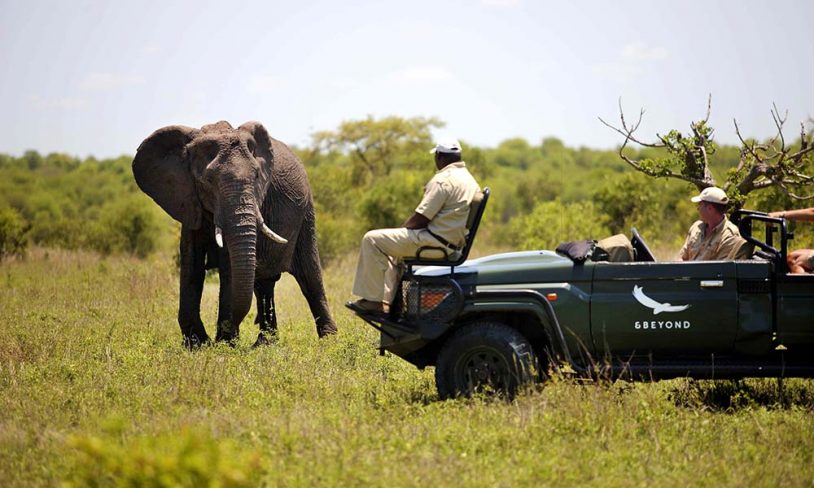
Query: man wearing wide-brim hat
[[438, 221], [714, 237]]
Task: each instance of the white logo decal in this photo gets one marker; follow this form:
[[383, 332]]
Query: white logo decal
[[638, 294]]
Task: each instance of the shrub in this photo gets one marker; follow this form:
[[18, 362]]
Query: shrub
[[337, 235], [13, 233], [551, 223], [389, 202], [127, 225]]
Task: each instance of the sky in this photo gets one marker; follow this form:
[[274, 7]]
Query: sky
[[88, 77]]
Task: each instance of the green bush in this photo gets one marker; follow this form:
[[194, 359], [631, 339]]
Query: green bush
[[13, 233], [551, 223], [336, 236], [126, 226], [185, 458], [391, 200]]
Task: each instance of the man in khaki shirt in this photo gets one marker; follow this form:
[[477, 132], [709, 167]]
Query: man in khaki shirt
[[714, 237], [438, 221]]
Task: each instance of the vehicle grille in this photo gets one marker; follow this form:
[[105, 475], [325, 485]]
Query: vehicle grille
[[437, 299]]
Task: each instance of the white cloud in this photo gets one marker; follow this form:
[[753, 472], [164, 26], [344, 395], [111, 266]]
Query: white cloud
[[639, 51], [108, 81], [420, 74], [265, 84], [64, 103]]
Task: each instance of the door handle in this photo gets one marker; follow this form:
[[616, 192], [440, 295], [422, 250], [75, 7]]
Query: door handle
[[712, 283]]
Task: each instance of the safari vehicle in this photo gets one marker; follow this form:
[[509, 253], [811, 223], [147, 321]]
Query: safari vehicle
[[500, 321]]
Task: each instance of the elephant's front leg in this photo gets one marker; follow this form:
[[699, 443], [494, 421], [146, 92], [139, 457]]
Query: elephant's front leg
[[193, 257], [266, 311], [227, 331]]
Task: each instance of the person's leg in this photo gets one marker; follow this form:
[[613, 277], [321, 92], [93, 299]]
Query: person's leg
[[392, 276], [377, 249]]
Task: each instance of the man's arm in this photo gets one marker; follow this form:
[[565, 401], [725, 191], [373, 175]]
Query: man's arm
[[683, 254], [801, 214], [416, 221]]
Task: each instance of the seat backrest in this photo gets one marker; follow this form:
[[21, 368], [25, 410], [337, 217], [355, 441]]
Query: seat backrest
[[476, 209], [743, 250]]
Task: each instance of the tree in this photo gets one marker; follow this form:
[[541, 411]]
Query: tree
[[378, 146], [761, 165]]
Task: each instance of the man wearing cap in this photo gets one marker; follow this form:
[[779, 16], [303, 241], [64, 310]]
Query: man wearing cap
[[800, 260], [438, 221], [714, 237]]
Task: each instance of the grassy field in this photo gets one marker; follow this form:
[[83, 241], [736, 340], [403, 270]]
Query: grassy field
[[95, 389]]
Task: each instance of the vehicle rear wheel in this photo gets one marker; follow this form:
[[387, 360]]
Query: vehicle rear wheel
[[485, 357]]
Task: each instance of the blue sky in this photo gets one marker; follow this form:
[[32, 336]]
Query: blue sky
[[96, 77]]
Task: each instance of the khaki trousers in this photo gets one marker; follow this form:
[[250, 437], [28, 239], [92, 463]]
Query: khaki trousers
[[378, 270]]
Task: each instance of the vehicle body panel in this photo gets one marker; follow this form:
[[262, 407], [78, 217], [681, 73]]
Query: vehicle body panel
[[695, 305]]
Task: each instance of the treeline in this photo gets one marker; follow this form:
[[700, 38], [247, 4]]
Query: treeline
[[367, 174], [61, 201]]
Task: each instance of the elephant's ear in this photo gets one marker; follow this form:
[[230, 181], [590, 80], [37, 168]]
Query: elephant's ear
[[162, 171], [263, 149]]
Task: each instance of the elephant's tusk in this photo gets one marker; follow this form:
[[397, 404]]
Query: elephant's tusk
[[272, 235], [218, 236]]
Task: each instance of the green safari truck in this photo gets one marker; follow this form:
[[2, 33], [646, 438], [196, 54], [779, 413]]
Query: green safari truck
[[500, 321]]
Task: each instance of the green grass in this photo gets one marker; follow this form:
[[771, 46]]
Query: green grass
[[95, 389]]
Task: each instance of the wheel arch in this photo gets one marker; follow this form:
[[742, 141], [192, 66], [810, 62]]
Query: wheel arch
[[526, 322]]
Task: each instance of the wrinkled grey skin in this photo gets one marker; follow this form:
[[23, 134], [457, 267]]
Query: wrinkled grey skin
[[236, 180]]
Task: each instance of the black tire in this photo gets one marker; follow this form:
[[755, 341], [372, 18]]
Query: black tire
[[485, 357]]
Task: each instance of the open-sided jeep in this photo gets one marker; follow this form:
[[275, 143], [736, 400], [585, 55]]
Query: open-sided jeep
[[500, 321]]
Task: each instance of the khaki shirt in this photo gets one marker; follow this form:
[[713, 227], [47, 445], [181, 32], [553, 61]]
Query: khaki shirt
[[446, 201], [724, 242]]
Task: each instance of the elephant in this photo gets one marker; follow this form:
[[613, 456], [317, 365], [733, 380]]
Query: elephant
[[229, 188]]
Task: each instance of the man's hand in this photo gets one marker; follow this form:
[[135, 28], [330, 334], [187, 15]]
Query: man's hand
[[416, 221]]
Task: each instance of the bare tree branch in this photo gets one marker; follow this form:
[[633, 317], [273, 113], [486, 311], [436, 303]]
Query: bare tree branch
[[774, 163]]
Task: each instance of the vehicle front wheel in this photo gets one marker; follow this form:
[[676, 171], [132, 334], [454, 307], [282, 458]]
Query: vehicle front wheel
[[485, 357]]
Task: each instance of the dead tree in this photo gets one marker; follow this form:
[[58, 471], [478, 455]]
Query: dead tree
[[760, 166]]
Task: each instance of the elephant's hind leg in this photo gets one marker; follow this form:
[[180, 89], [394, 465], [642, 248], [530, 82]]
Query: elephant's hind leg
[[308, 273], [266, 311]]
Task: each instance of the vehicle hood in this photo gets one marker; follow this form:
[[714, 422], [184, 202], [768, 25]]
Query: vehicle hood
[[515, 268]]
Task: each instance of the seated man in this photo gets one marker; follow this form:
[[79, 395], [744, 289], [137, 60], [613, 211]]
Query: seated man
[[714, 237], [438, 221], [801, 260]]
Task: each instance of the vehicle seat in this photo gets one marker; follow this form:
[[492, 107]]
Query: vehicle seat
[[744, 251], [441, 256]]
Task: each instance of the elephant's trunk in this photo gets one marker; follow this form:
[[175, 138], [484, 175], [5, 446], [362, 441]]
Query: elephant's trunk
[[240, 231]]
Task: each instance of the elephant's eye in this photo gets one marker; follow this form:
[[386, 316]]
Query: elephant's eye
[[206, 150]]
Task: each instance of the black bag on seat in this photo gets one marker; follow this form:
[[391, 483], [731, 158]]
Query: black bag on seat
[[579, 251]]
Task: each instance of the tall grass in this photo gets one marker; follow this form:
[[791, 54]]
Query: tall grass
[[96, 389]]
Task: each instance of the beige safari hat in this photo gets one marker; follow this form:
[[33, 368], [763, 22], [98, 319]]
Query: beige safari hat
[[712, 194]]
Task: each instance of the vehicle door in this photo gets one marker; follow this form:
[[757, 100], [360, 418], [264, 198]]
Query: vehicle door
[[664, 309], [795, 312]]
